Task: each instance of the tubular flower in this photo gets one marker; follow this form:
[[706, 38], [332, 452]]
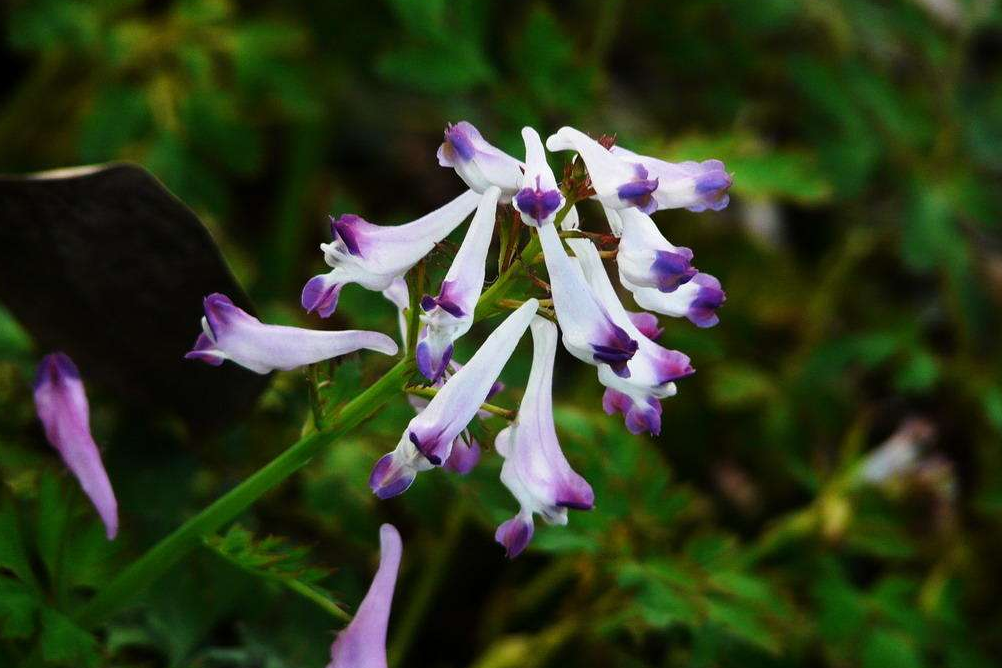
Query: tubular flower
[[588, 332], [618, 184], [652, 370], [477, 162], [61, 405], [539, 199], [697, 300], [535, 470], [374, 255], [362, 644], [696, 186], [450, 315], [465, 453], [427, 442], [649, 260], [231, 333]]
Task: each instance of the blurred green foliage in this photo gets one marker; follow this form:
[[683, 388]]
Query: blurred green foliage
[[863, 263]]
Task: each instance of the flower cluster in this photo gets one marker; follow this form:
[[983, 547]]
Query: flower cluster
[[594, 325]]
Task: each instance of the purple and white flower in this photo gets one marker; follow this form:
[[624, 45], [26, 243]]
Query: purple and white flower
[[477, 162], [535, 470], [588, 332], [624, 179], [652, 370], [374, 255], [465, 453], [618, 184], [647, 259], [61, 405], [428, 440], [450, 315], [230, 333], [696, 186], [697, 300], [362, 644], [539, 199]]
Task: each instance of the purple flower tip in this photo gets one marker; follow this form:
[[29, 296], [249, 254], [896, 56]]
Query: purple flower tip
[[345, 228], [639, 417], [703, 309], [446, 300], [576, 495], [205, 351], [616, 350], [515, 535], [320, 295], [640, 192], [430, 368], [672, 365], [537, 203], [673, 269], [56, 368], [458, 139], [387, 479], [712, 186]]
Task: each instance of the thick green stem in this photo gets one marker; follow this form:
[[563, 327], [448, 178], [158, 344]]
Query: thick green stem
[[148, 568]]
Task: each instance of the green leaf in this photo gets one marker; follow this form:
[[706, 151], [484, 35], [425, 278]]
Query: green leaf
[[119, 116], [737, 386], [438, 68], [274, 558], [65, 643], [742, 622], [13, 556], [53, 521], [883, 649], [18, 608]]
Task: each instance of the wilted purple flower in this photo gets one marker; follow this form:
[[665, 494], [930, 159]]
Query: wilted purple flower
[[539, 199], [479, 164], [450, 315], [647, 259], [61, 404], [427, 442], [618, 184], [374, 255], [362, 644], [535, 470], [588, 332], [230, 333], [652, 370], [696, 186]]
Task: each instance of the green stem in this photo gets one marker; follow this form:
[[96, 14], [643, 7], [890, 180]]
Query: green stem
[[313, 595], [147, 569], [487, 304]]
